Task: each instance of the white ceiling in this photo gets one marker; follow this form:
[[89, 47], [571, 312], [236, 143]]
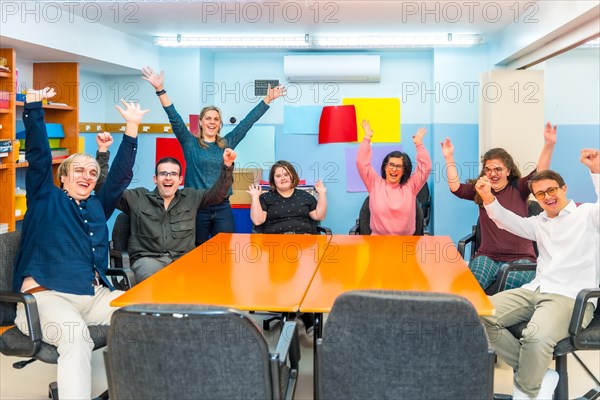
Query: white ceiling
[[147, 19]]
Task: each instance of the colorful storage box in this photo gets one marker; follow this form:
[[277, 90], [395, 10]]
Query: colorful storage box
[[54, 130], [20, 204]]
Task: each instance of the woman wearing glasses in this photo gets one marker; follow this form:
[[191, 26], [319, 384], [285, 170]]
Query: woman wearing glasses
[[498, 246], [393, 194]]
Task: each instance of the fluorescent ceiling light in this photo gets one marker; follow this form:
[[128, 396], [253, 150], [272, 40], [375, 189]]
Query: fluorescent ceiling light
[[321, 41]]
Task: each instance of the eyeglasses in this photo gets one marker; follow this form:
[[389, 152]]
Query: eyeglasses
[[166, 174], [391, 165], [541, 195], [497, 170]]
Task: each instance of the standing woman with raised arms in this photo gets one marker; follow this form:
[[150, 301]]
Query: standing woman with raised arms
[[204, 154]]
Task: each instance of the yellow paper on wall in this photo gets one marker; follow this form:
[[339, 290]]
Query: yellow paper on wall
[[382, 113], [81, 145]]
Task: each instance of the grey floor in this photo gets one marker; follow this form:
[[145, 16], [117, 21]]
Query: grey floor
[[31, 382]]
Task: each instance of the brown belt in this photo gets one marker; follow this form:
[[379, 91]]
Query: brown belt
[[35, 289], [95, 282]]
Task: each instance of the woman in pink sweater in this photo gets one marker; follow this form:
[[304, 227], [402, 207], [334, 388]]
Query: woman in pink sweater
[[392, 196]]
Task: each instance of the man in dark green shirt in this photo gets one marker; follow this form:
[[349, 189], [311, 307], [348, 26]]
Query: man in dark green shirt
[[162, 221]]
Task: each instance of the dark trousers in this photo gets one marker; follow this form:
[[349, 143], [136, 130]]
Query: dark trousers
[[212, 220]]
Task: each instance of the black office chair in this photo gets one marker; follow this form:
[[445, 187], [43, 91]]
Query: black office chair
[[424, 199], [12, 341], [579, 339], [363, 223], [403, 345], [473, 240], [119, 257], [170, 351]]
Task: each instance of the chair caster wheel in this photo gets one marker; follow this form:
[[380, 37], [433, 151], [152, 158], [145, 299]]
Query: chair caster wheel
[[53, 391]]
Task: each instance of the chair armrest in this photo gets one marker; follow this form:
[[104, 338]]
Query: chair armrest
[[505, 269], [354, 229], [288, 344], [32, 319], [126, 273], [463, 242], [122, 256], [575, 327], [324, 229]]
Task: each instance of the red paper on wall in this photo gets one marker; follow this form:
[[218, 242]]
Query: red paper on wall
[[337, 124], [194, 124], [170, 147]]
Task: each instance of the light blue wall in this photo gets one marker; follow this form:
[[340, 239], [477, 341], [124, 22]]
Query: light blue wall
[[425, 81], [572, 102]]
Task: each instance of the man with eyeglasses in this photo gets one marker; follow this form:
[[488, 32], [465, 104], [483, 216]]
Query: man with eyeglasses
[[568, 241], [163, 221]]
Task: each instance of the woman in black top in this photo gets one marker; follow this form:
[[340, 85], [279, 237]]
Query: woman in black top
[[284, 209]]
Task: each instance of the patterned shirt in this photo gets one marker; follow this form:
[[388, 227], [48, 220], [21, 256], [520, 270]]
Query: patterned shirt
[[288, 214]]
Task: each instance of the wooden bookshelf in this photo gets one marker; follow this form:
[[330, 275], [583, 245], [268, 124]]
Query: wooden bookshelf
[[64, 78], [7, 164]]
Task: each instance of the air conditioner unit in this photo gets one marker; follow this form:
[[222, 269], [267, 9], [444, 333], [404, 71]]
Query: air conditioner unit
[[332, 68]]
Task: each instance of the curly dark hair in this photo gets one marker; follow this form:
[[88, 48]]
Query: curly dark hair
[[497, 153]]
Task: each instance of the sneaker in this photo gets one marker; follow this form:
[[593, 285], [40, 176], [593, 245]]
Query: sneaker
[[519, 395], [549, 383]]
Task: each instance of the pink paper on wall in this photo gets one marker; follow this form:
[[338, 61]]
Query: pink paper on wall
[[337, 124], [170, 147]]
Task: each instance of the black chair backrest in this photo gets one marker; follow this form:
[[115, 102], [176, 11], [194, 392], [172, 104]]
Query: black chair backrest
[[9, 246], [423, 342], [364, 219], [186, 352], [424, 199], [120, 232]]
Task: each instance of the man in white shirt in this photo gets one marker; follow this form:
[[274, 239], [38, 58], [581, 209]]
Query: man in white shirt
[[568, 240]]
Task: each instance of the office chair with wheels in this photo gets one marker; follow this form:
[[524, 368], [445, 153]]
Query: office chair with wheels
[[12, 341], [427, 346], [579, 339], [197, 352], [473, 240], [363, 223]]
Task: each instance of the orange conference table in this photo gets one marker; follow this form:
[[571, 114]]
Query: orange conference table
[[307, 272], [243, 271], [415, 263]]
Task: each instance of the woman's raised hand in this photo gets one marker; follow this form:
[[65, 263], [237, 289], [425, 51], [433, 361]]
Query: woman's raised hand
[[156, 80], [367, 128], [274, 92], [254, 190], [418, 138]]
